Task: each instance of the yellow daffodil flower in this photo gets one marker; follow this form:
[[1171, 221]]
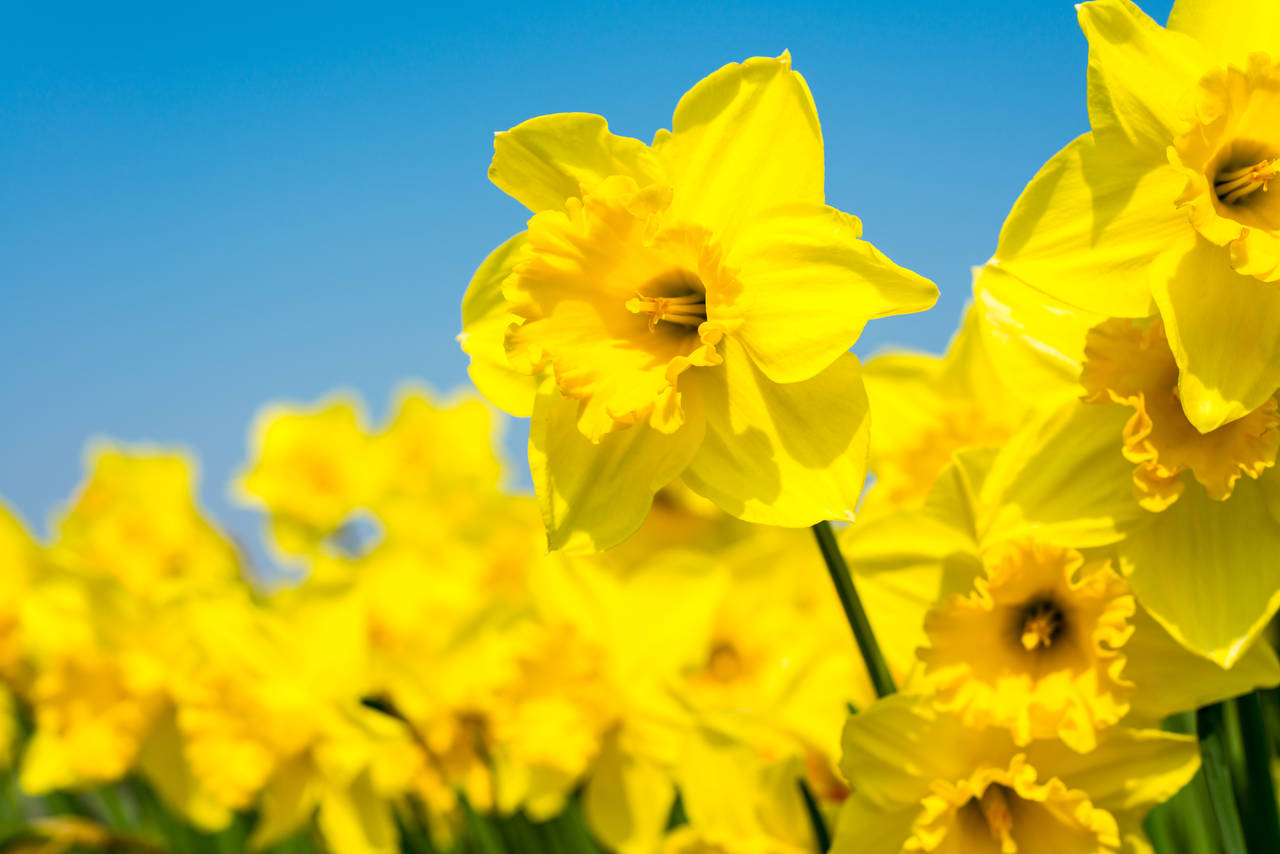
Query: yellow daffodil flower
[[135, 521], [1020, 630], [683, 310], [19, 567], [309, 469], [1037, 648], [923, 781], [1165, 205], [1197, 511]]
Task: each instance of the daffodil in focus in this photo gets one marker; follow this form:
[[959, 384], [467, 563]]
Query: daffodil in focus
[[923, 781], [1168, 203], [683, 310], [1194, 515]]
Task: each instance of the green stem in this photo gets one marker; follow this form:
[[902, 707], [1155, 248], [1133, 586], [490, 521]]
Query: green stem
[[1259, 796], [1211, 728], [821, 836], [881, 679]]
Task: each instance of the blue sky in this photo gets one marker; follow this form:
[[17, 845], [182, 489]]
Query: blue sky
[[206, 208]]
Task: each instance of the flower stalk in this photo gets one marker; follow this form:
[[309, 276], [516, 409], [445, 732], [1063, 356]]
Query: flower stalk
[[881, 679], [1211, 728]]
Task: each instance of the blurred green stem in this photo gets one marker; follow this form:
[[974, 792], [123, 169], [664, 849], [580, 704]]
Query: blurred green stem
[[881, 679], [1211, 728], [1258, 799]]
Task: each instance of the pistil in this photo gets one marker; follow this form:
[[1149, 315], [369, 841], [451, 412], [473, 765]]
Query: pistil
[[686, 310], [1041, 623], [1236, 185], [994, 804]]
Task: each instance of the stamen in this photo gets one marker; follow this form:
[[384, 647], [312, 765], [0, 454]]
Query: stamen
[[994, 804], [1233, 186], [685, 310], [1041, 623]]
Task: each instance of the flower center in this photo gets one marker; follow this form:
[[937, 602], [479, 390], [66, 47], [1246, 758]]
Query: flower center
[[679, 299], [1236, 185], [725, 663], [994, 804], [1042, 623]]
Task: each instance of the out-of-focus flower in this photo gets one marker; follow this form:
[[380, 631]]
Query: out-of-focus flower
[[1165, 204], [309, 470], [135, 522], [685, 309]]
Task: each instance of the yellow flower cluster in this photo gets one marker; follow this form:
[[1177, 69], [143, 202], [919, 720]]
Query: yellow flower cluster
[[1070, 540], [433, 662]]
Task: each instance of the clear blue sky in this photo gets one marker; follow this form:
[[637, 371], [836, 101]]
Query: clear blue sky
[[203, 209]]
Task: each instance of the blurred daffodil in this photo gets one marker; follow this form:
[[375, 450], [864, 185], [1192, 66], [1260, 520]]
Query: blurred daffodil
[[683, 309]]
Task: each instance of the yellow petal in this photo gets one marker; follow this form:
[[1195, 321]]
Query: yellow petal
[[1088, 225], [781, 454], [595, 495], [811, 285], [1063, 478], [1229, 30], [1207, 570], [865, 828], [165, 766], [549, 159], [486, 315], [627, 800], [1131, 769], [743, 140], [1224, 330], [357, 820], [286, 803], [1168, 678], [1138, 74], [1035, 343], [883, 756]]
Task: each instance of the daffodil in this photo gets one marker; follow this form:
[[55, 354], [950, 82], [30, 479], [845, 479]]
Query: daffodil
[[924, 781], [683, 310], [310, 469], [1194, 515], [1166, 204], [135, 521], [1020, 630]]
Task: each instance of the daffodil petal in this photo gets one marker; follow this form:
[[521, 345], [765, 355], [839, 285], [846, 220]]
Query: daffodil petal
[[1229, 31], [1168, 678], [1224, 330], [628, 799], [743, 139], [810, 285], [1035, 343], [781, 454], [865, 828], [547, 160], [882, 756], [1063, 478], [1088, 225], [486, 315], [1138, 73], [1207, 570], [1155, 766], [595, 495]]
